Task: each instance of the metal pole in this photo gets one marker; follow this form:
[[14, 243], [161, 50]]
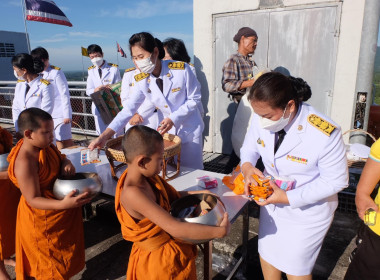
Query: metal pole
[[24, 19], [368, 46]]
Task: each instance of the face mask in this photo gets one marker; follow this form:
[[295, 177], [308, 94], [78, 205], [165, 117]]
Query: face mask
[[18, 77], [146, 65], [97, 61], [274, 126]]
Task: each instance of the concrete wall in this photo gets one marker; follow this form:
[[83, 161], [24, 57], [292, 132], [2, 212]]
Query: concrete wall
[[346, 65]]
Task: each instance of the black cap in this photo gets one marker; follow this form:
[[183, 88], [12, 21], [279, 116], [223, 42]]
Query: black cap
[[246, 32]]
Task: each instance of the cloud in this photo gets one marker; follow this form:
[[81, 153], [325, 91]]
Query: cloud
[[86, 34], [61, 37], [15, 3], [145, 9]]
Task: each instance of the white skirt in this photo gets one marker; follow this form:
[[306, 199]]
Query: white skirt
[[289, 245], [62, 131]]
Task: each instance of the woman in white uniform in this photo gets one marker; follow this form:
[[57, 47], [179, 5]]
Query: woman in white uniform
[[147, 113], [100, 76], [62, 112], [176, 102], [31, 89], [293, 223]]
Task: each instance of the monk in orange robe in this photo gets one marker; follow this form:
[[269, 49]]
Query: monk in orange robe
[[49, 232], [142, 203], [9, 198]]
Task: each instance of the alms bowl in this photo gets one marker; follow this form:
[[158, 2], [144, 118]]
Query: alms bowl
[[3, 162], [213, 218], [81, 182]]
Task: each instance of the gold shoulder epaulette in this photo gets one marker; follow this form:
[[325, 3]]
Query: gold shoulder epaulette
[[178, 65], [191, 64], [112, 64], [141, 76], [91, 67], [323, 125], [46, 82], [55, 67], [130, 69], [20, 81]]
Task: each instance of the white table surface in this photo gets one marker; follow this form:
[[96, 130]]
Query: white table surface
[[186, 180]]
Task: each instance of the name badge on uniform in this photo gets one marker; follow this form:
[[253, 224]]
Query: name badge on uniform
[[296, 159], [176, 89], [109, 81]]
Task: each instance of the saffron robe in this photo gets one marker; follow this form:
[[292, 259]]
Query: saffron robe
[[155, 254], [49, 243], [9, 198]]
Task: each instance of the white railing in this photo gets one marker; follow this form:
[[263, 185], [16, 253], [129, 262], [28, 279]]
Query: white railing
[[80, 103]]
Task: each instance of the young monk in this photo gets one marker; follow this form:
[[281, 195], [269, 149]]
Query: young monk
[[9, 198], [49, 232], [142, 203]]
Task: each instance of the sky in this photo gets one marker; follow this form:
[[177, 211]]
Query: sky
[[102, 22]]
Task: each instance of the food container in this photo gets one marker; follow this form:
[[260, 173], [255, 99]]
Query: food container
[[3, 162], [213, 217], [263, 190], [81, 182]]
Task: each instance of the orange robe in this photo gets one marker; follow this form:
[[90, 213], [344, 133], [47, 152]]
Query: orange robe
[[49, 243], [155, 254], [9, 198]]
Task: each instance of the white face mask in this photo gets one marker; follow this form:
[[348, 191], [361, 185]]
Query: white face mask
[[18, 77], [275, 126], [146, 65], [97, 61]]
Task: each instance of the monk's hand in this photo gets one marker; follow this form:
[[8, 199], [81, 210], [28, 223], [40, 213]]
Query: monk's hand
[[225, 225], [165, 126], [278, 196], [73, 201], [248, 170], [67, 168], [136, 119]]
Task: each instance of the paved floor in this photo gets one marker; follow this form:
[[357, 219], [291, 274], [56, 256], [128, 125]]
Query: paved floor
[[107, 253]]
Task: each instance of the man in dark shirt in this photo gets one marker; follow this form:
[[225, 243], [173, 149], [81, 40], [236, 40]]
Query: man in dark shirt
[[237, 71]]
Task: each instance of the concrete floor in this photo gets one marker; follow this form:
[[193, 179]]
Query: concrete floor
[[107, 253]]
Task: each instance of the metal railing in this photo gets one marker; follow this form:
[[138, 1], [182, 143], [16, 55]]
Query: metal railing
[[80, 104]]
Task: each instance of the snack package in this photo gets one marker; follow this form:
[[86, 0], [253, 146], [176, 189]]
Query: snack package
[[207, 182], [235, 181], [87, 156], [263, 190]]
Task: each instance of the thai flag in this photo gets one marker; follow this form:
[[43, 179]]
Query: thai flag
[[120, 50], [45, 11]]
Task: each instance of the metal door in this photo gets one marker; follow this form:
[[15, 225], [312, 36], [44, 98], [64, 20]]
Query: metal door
[[300, 41]]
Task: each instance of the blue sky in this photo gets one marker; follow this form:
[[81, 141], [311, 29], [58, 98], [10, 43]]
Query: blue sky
[[101, 22]]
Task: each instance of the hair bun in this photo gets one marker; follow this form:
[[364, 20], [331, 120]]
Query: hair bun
[[301, 88], [38, 65]]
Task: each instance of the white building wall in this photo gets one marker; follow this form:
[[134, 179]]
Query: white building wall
[[346, 66]]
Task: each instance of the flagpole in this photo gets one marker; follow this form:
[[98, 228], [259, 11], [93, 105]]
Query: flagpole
[[117, 57], [82, 68], [24, 18]]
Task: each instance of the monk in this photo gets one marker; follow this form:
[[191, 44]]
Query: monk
[[49, 232], [9, 198], [142, 203]]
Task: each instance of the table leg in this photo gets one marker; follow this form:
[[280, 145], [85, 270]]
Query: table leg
[[207, 260], [244, 251]]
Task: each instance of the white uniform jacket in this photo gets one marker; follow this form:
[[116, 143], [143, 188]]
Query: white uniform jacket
[[308, 154], [110, 75], [40, 95], [62, 105], [179, 100], [147, 109]]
